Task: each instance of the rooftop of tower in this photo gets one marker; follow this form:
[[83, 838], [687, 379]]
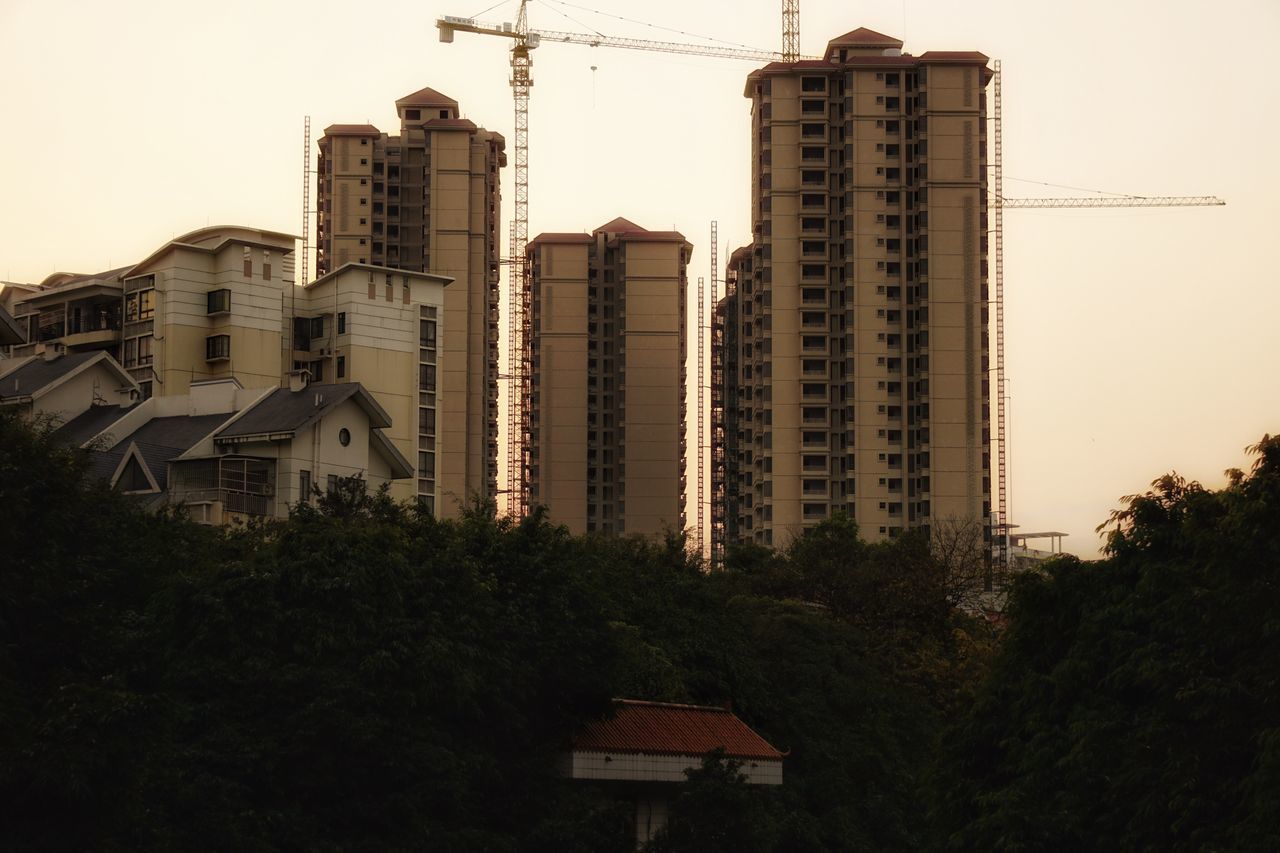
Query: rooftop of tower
[[427, 98]]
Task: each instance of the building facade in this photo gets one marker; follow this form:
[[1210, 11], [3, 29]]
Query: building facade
[[858, 353], [383, 329], [220, 303], [428, 200], [605, 416], [171, 319], [224, 452]]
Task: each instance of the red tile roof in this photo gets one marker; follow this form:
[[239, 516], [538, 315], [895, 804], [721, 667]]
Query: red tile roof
[[660, 728], [864, 36], [650, 236], [561, 237], [463, 123], [619, 225], [962, 56]]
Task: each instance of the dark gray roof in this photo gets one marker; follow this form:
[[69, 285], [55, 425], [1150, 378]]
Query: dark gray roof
[[37, 373], [10, 331], [89, 423], [159, 440], [286, 412]]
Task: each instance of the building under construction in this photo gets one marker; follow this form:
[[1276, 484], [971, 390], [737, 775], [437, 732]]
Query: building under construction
[[854, 357]]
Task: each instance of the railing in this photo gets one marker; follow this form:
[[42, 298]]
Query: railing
[[232, 501]]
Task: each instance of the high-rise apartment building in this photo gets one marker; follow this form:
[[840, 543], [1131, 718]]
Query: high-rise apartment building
[[855, 372], [427, 200], [604, 442]]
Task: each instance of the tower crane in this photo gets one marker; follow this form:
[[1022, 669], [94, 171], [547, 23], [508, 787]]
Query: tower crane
[[1002, 526], [525, 40]]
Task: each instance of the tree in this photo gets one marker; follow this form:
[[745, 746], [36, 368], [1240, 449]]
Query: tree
[[1132, 703]]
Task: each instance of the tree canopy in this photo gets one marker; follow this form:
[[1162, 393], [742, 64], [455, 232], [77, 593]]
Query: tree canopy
[[362, 676]]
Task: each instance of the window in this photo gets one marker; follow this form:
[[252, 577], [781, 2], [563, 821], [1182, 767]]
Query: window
[[217, 348], [426, 377], [144, 349], [218, 301], [413, 115], [342, 322], [140, 306], [304, 486], [427, 333], [344, 434], [342, 366], [317, 327]]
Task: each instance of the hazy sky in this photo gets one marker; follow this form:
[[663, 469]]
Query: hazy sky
[[1138, 341]]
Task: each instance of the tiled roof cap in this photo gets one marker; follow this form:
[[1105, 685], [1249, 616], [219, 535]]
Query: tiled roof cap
[[352, 130], [961, 56], [561, 237], [618, 225], [864, 37], [460, 123], [427, 98]]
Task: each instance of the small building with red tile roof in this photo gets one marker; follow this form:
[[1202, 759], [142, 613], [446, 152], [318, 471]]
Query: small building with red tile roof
[[646, 748]]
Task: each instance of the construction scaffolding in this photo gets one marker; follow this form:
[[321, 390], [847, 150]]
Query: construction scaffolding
[[717, 411]]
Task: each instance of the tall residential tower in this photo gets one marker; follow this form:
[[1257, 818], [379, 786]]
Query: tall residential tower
[[427, 200], [855, 374], [604, 441]]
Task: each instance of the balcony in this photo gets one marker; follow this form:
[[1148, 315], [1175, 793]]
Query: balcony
[[237, 485]]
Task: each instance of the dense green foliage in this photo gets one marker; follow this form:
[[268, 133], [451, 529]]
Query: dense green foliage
[[363, 677], [1135, 703]]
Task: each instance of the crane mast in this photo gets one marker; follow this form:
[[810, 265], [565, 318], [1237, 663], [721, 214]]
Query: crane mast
[[790, 30], [519, 353]]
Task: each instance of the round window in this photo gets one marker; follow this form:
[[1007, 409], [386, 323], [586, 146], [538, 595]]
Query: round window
[[344, 436]]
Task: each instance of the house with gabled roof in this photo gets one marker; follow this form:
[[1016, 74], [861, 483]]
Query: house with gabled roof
[[229, 453], [60, 386]]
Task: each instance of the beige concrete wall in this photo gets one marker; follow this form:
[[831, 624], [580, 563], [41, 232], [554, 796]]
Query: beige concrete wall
[[561, 417], [653, 335], [380, 348]]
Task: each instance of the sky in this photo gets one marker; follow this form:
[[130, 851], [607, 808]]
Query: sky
[[1138, 341]]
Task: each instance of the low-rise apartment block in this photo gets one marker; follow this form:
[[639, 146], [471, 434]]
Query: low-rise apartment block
[[220, 304]]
